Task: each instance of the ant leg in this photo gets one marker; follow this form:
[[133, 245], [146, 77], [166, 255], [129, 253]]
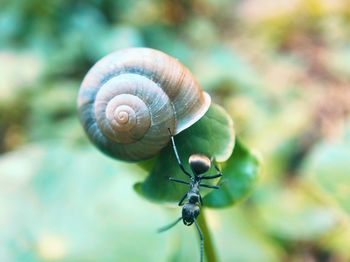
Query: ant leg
[[178, 180], [209, 186], [182, 199], [177, 155], [211, 177], [201, 237], [218, 174], [162, 229], [217, 169]]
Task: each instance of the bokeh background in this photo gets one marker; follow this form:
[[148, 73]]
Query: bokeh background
[[281, 68]]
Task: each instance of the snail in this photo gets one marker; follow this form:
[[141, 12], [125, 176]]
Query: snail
[[129, 99]]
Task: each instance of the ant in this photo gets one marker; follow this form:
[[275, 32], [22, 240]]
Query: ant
[[199, 165]]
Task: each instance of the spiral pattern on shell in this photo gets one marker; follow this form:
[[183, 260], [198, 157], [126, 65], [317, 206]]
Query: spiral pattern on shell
[[130, 98]]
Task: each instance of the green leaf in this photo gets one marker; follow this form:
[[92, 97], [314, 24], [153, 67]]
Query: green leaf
[[239, 178], [213, 136]]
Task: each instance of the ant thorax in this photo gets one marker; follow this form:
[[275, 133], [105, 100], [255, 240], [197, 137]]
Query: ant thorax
[[193, 197]]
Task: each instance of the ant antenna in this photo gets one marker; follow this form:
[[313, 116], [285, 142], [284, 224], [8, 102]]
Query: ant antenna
[[167, 227], [201, 237]]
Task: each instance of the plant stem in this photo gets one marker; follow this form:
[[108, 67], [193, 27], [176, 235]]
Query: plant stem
[[208, 244]]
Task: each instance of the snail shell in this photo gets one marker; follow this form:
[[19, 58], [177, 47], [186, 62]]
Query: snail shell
[[130, 98]]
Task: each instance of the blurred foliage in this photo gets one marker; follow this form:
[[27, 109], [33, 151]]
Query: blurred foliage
[[279, 68]]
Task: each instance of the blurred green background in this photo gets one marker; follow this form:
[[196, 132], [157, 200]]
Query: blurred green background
[[280, 68]]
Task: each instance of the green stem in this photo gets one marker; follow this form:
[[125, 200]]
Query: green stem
[[208, 243]]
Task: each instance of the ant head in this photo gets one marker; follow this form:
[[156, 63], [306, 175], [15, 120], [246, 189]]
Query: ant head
[[199, 163]]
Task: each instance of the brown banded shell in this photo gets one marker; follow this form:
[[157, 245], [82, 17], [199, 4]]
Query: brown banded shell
[[130, 98]]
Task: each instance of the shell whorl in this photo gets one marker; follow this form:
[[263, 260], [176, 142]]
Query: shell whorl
[[129, 99]]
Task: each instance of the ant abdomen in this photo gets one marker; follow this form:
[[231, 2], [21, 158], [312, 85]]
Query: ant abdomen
[[199, 163]]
